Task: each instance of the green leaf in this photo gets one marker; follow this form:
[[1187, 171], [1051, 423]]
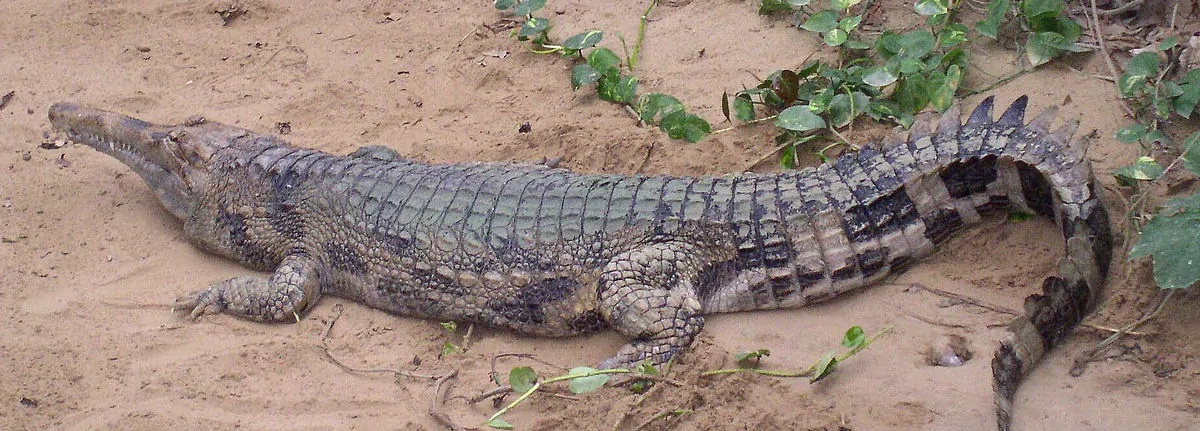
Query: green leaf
[[528, 6], [787, 156], [1138, 73], [1191, 157], [583, 40], [990, 26], [954, 34], [836, 37], [855, 336], [797, 3], [930, 7], [772, 6], [850, 23], [878, 76], [1036, 8], [943, 97], [841, 112], [647, 368], [1040, 48], [450, 326], [1174, 242], [1188, 203], [499, 424], [603, 59], [881, 109], [682, 125], [658, 104], [915, 44], [582, 75], [617, 88], [826, 366], [522, 379], [911, 94], [750, 359], [1185, 104], [580, 385], [821, 22], [449, 348], [1145, 63], [743, 108], [856, 44], [843, 4], [1168, 43], [1144, 169], [1131, 133], [799, 118], [532, 27], [504, 4]]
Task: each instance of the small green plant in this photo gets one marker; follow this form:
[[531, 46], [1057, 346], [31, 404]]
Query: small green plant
[[525, 381], [602, 67], [922, 66], [1172, 236], [1048, 34], [449, 347], [1154, 98], [835, 24], [855, 340]]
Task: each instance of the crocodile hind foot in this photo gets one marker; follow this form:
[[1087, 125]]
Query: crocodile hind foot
[[280, 298], [648, 294]]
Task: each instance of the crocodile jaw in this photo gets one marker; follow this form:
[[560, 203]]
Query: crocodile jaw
[[144, 147]]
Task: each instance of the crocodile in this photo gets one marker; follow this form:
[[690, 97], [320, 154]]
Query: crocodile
[[550, 252]]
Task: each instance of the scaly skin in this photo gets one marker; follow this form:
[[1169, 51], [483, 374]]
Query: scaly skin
[[549, 252]]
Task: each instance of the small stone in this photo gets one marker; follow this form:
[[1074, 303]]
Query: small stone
[[143, 48], [26, 157], [949, 351]]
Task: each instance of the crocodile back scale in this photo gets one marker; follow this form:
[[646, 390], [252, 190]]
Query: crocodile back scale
[[550, 252]]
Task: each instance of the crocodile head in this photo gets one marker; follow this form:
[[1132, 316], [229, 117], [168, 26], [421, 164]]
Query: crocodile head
[[173, 160]]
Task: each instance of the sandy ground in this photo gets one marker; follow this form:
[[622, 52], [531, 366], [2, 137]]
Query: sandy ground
[[90, 262]]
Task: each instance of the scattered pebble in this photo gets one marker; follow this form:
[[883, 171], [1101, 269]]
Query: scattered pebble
[[26, 157], [7, 97], [143, 48], [949, 351], [53, 144], [62, 161], [283, 127], [29, 402], [525, 128]]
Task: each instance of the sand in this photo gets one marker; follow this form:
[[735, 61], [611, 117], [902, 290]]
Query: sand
[[90, 262]]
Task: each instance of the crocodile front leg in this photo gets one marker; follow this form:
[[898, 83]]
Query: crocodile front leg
[[648, 294], [281, 298]]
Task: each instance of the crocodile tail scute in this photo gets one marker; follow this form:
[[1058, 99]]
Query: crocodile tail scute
[[1055, 181]]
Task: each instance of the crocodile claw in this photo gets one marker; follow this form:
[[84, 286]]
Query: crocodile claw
[[199, 303]]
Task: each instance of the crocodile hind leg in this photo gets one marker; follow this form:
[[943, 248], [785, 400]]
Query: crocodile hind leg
[[281, 298], [648, 294]]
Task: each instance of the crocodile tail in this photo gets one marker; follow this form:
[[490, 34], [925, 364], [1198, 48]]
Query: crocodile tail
[[1044, 172]]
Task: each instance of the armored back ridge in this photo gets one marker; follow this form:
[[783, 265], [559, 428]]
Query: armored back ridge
[[550, 252]]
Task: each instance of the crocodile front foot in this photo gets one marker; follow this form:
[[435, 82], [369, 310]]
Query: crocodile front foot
[[290, 290]]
